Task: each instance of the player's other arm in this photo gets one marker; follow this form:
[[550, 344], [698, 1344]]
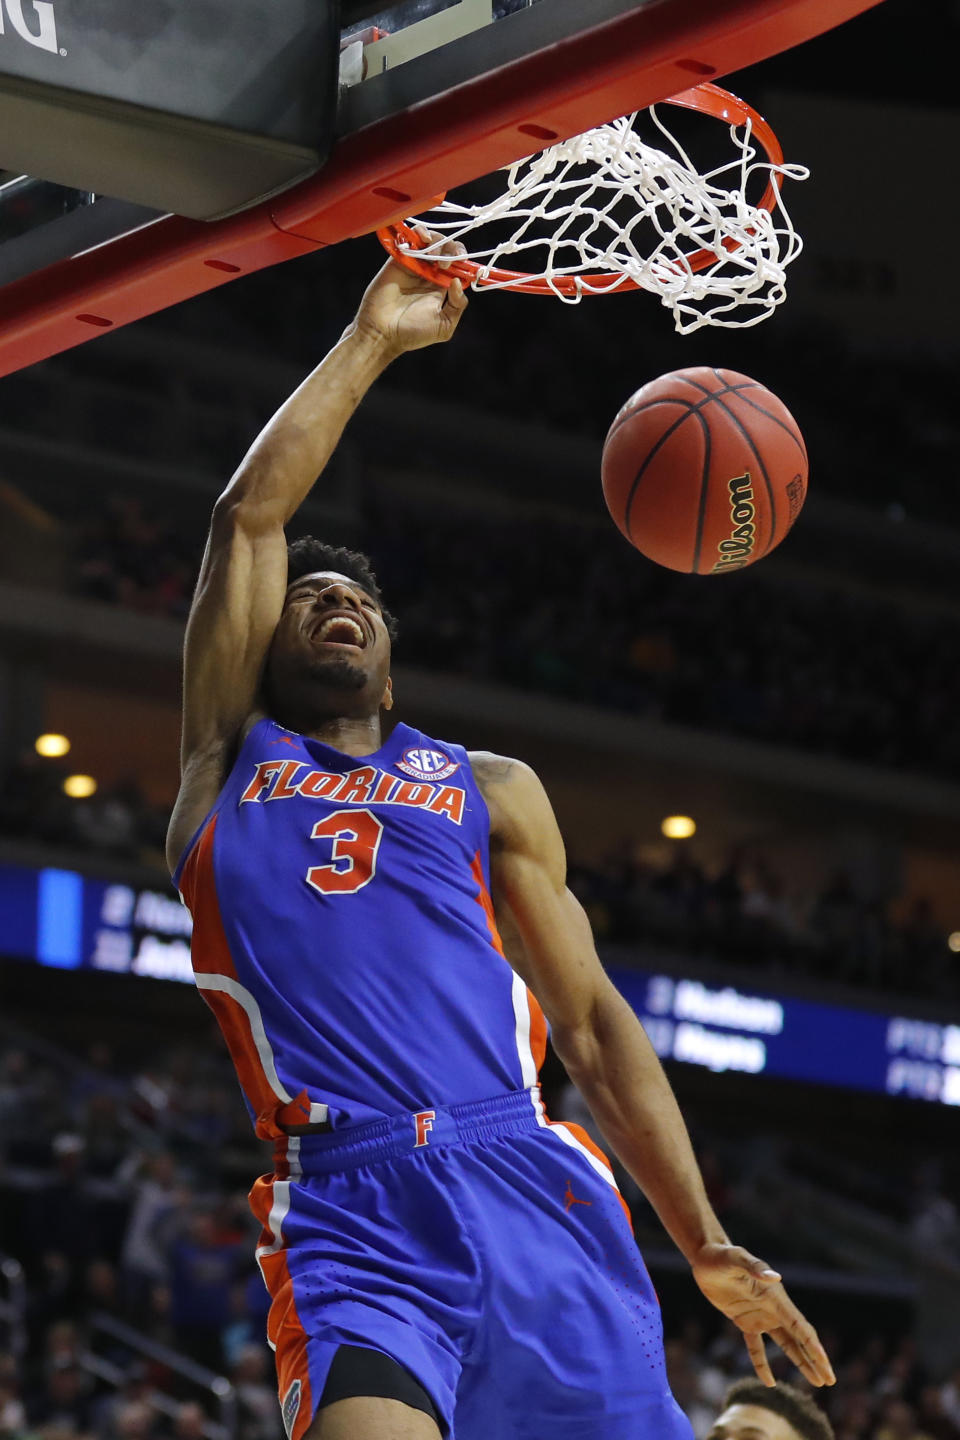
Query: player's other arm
[[243, 576], [608, 1056]]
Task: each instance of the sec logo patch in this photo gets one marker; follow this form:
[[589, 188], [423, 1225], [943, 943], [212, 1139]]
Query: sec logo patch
[[425, 764]]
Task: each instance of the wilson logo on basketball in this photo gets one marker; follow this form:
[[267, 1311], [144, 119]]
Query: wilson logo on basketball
[[737, 550], [44, 37], [425, 764]]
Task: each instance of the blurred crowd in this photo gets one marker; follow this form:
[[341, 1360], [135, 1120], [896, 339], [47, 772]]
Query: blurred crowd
[[122, 1196], [569, 610], [745, 914], [117, 821], [543, 604], [122, 1192], [125, 555]]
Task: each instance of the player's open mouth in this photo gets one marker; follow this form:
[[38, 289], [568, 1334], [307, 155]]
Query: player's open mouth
[[342, 631]]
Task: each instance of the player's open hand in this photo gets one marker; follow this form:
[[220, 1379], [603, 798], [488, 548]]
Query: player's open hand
[[750, 1294], [408, 312]]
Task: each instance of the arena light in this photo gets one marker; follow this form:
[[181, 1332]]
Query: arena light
[[954, 942], [79, 787], [51, 746], [678, 827]]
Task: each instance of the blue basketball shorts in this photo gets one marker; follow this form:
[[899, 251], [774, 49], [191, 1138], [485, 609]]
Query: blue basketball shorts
[[485, 1250]]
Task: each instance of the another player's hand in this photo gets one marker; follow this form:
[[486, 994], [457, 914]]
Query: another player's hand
[[750, 1294], [407, 312]]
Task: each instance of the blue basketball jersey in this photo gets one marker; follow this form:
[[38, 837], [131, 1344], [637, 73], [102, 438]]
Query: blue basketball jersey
[[345, 939], [344, 935]]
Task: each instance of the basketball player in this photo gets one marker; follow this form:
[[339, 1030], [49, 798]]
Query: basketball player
[[752, 1411], [441, 1258]]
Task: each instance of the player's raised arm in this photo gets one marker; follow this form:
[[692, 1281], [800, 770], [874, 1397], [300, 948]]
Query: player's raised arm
[[608, 1056], [240, 592]]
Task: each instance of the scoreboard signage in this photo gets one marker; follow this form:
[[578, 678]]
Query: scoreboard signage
[[70, 921], [723, 1028]]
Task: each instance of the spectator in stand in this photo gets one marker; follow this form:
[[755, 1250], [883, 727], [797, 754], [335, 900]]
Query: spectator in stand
[[854, 1419], [155, 1318], [101, 1290], [249, 1308], [136, 1389], [156, 1195], [106, 1140], [63, 1218], [66, 1400], [108, 822], [257, 1394], [950, 1395], [933, 1417], [13, 1415], [899, 1422], [136, 1420], [22, 1091], [202, 1267], [190, 1421], [54, 1292]]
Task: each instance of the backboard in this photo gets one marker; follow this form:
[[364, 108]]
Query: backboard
[[433, 93]]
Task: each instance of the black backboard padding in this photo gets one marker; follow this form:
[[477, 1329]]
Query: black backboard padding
[[165, 163], [199, 107]]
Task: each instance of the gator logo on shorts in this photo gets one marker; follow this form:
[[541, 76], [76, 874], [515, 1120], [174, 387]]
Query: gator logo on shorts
[[425, 764], [290, 1407]]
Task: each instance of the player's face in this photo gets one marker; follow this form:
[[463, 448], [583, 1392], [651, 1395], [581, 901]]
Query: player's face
[[330, 652], [751, 1422]]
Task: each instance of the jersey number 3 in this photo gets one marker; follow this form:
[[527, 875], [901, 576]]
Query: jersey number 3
[[356, 836]]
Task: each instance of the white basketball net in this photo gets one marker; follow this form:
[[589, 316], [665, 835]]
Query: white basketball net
[[638, 213]]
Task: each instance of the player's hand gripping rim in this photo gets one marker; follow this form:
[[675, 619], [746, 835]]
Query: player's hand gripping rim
[[408, 311], [752, 1295]]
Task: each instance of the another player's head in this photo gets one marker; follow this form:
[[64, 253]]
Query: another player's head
[[754, 1411], [330, 653]]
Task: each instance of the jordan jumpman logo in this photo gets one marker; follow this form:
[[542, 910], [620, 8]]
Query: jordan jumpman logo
[[571, 1199]]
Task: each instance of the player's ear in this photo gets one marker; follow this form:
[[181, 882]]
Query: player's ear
[[387, 701]]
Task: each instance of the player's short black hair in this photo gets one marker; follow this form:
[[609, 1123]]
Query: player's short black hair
[[307, 555], [798, 1409]]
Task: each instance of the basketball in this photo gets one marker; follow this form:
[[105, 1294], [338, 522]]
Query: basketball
[[704, 470]]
